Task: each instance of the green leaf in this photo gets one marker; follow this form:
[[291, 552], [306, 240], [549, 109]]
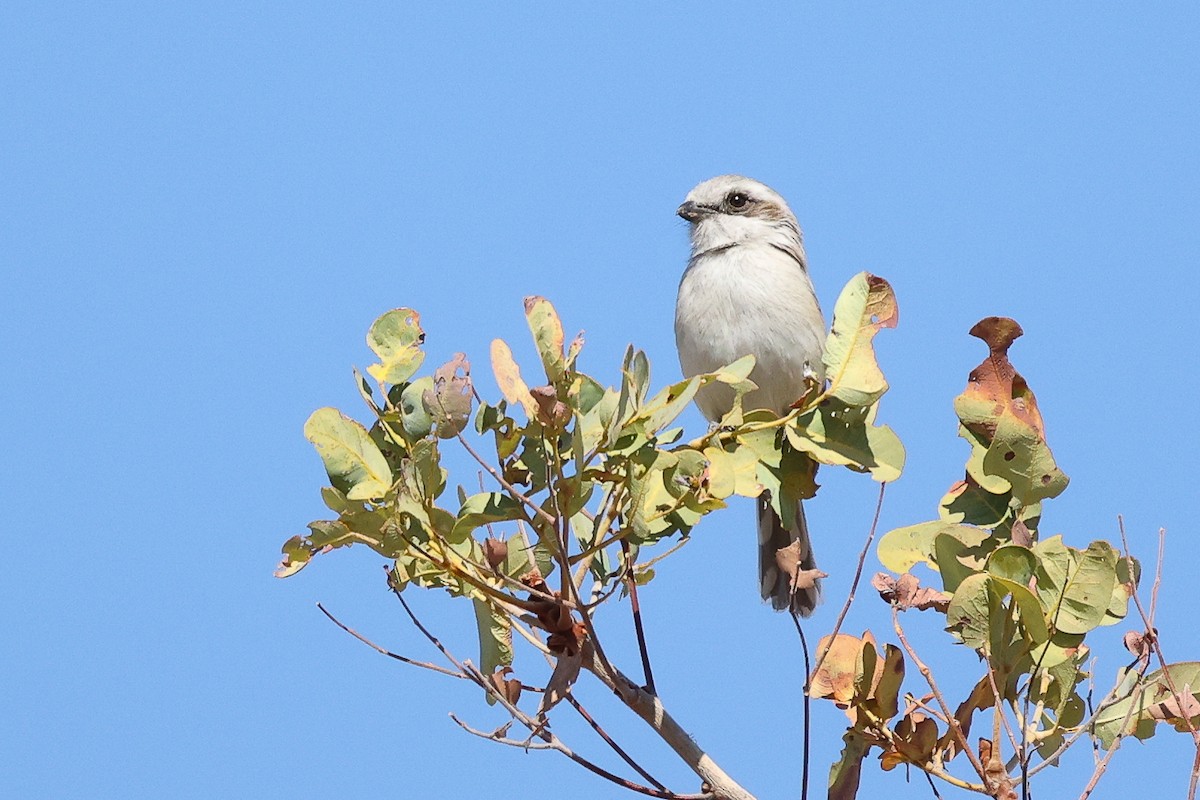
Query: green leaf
[[323, 535], [1151, 701], [866, 305], [352, 461], [902, 548], [972, 611], [842, 435], [1076, 586], [1029, 611], [1127, 580], [722, 472], [414, 417], [396, 338], [968, 502], [846, 772], [960, 553], [1014, 563], [482, 509], [495, 639], [548, 336], [669, 403]]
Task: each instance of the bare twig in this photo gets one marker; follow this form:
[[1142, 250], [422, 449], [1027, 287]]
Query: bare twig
[[516, 493], [628, 759], [562, 524], [1102, 765], [388, 653], [806, 702], [1152, 636], [862, 557], [1108, 700], [551, 742], [499, 737], [631, 582], [1029, 724], [927, 674], [437, 642]]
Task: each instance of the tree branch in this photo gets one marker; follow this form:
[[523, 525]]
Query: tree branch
[[652, 712]]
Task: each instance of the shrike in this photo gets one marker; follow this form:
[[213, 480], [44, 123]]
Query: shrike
[[746, 291]]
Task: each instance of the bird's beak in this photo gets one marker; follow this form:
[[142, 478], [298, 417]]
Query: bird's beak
[[691, 211]]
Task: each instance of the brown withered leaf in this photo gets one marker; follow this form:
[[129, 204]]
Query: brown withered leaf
[[835, 676], [1170, 710], [566, 671], [1021, 534], [449, 401], [495, 551], [534, 580], [509, 687], [788, 559], [980, 698], [1000, 415], [906, 592], [996, 776], [914, 740], [569, 640], [551, 412], [1138, 643], [997, 381]]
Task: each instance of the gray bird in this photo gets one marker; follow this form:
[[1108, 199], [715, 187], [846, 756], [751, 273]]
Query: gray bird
[[746, 291]]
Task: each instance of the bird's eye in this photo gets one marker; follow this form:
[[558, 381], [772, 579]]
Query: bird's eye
[[737, 200]]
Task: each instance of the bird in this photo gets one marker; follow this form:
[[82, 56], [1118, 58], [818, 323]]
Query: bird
[[746, 291]]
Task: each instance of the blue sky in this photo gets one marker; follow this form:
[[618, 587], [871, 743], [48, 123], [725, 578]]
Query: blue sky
[[203, 208]]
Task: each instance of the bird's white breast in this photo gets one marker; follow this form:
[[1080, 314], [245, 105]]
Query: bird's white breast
[[749, 299]]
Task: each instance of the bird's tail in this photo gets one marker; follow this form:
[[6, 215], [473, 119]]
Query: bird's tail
[[775, 584]]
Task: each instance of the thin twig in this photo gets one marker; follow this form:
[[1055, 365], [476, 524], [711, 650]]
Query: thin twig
[[653, 713], [1029, 724], [937, 693], [628, 759], [806, 702], [1152, 636], [516, 493], [499, 738], [648, 564], [862, 557], [389, 653], [1106, 702], [436, 642], [932, 785], [637, 617], [1102, 765], [562, 525]]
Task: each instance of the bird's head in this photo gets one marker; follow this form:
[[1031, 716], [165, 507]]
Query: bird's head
[[731, 209]]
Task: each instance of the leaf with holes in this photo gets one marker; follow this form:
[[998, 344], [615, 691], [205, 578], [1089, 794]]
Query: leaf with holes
[[396, 338], [866, 305]]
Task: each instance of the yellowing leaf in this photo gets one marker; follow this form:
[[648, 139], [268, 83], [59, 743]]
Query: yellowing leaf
[[396, 337], [866, 305], [901, 549], [508, 378], [352, 460], [548, 336], [841, 435]]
